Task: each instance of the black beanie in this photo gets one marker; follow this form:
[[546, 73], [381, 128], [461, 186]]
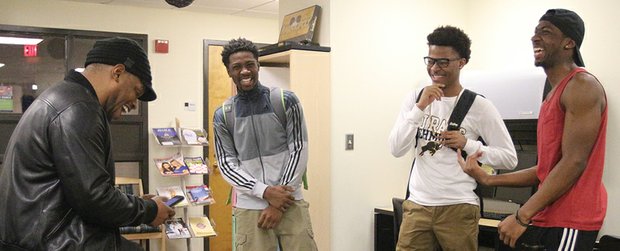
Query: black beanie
[[128, 52], [571, 25]]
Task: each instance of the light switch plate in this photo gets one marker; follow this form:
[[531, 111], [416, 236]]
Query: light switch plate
[[189, 106], [348, 142]]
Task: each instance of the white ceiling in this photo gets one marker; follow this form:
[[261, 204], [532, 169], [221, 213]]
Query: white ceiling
[[246, 8]]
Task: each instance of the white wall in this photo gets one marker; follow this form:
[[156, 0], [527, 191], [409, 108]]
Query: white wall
[[377, 50], [177, 76]]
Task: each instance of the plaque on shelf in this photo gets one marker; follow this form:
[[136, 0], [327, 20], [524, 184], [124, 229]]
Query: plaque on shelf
[[298, 30], [300, 26]]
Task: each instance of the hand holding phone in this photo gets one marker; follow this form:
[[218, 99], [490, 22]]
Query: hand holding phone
[[174, 200]]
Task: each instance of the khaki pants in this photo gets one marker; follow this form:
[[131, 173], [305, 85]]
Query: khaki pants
[[453, 227], [294, 233]]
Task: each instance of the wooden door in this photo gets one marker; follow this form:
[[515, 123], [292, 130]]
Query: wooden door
[[219, 88]]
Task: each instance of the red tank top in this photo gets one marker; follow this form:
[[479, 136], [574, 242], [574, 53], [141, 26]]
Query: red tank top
[[582, 207]]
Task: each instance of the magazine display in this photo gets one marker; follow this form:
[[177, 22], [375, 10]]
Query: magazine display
[[172, 166], [176, 228], [201, 227], [166, 136], [180, 157], [199, 195], [172, 191], [196, 165], [194, 136]]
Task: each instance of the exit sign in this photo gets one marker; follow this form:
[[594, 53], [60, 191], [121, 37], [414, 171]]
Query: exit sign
[[30, 50]]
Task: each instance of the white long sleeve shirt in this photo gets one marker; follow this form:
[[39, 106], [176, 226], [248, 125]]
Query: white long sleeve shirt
[[436, 178]]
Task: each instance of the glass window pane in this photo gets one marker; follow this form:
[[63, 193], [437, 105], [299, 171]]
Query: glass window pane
[[127, 169], [28, 70], [78, 50]]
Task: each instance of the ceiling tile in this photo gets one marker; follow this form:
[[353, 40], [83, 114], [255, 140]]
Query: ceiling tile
[[247, 8]]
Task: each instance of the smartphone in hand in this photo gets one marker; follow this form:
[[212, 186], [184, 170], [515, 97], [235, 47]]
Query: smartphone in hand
[[174, 200]]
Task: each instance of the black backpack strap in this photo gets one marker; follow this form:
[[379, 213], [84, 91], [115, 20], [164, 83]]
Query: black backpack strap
[[409, 180], [454, 123], [461, 109], [417, 99]]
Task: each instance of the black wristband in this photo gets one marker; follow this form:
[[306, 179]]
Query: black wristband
[[519, 220]]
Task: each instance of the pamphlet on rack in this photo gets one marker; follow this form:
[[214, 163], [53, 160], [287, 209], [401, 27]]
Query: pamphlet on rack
[[176, 228], [172, 166], [172, 191], [199, 195], [194, 136], [196, 165], [166, 136], [201, 227]]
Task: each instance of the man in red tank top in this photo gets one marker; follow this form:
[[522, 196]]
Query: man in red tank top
[[568, 209]]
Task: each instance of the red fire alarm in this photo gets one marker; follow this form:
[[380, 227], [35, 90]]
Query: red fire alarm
[[161, 46], [30, 50]]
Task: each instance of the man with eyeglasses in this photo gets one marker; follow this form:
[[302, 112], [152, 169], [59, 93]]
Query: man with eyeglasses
[[568, 209], [442, 208]]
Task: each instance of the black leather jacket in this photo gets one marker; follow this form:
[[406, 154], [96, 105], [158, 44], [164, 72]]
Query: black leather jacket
[[57, 178]]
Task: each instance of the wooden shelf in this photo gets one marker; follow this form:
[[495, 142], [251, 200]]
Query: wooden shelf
[[142, 236], [277, 58], [307, 74]]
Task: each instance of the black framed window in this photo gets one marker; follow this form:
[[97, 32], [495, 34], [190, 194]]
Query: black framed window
[[29, 68]]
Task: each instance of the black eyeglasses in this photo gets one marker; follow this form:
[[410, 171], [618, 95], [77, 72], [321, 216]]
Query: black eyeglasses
[[441, 62]]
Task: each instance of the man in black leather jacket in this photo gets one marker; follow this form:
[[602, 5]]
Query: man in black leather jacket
[[57, 178]]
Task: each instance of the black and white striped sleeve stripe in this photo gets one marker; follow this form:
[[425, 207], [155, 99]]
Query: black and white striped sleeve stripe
[[226, 159], [295, 118]]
